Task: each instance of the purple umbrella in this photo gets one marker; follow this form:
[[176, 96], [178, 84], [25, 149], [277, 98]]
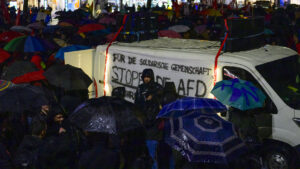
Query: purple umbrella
[[107, 20]]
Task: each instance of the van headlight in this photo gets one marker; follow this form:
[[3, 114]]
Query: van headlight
[[297, 121]]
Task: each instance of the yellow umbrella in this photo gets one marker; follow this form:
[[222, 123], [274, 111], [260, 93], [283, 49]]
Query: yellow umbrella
[[60, 42], [214, 12]]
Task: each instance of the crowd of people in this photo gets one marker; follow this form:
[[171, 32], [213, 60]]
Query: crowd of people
[[44, 138]]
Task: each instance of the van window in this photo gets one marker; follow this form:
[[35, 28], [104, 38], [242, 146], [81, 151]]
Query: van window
[[230, 72], [284, 77]]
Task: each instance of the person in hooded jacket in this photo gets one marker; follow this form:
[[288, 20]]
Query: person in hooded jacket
[[28, 151], [59, 151], [147, 99]]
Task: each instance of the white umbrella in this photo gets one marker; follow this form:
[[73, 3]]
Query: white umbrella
[[179, 28], [20, 29]]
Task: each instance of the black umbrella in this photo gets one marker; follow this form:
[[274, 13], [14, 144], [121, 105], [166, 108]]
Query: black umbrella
[[18, 68], [21, 98], [106, 115], [67, 77]]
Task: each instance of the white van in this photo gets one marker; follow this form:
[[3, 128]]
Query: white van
[[190, 65]]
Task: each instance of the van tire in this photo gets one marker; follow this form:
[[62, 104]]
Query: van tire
[[279, 157]]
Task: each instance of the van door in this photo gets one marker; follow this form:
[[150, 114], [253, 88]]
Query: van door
[[263, 115]]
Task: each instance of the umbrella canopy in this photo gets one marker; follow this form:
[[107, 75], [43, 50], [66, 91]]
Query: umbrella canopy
[[25, 44], [239, 93], [200, 29], [204, 137], [110, 115], [64, 24], [3, 55], [5, 85], [60, 42], [29, 77], [169, 34], [61, 52], [67, 77], [107, 20], [21, 29], [182, 106], [18, 68], [179, 28], [90, 27], [9, 35], [20, 98], [214, 12], [36, 25], [51, 28]]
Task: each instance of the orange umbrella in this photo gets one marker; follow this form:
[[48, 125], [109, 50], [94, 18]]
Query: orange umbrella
[[64, 24], [90, 27]]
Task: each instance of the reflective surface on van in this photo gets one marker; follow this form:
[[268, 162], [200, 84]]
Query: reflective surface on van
[[284, 77]]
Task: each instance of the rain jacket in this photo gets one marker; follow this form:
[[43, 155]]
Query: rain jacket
[[150, 108], [28, 152]]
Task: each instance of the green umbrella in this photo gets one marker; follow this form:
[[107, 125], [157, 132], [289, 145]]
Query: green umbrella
[[16, 44]]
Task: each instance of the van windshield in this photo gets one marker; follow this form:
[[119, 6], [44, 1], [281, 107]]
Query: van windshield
[[284, 77]]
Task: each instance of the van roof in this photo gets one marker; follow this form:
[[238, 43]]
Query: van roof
[[209, 49]]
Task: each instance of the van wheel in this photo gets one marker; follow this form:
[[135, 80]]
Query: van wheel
[[279, 158]]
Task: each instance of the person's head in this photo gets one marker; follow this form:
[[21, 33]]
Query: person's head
[[147, 76], [39, 128], [56, 114], [118, 92]]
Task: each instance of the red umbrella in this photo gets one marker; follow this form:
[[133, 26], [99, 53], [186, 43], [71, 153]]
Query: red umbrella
[[90, 27], [29, 77], [169, 34], [3, 55], [9, 35]]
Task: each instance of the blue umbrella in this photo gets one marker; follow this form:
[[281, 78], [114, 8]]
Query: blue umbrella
[[32, 44], [61, 51], [204, 137], [239, 93], [181, 106]]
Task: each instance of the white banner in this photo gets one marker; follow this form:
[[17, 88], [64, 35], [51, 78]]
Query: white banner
[[191, 77]]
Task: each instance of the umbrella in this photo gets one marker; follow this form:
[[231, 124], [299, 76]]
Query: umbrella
[[181, 106], [169, 34], [67, 77], [239, 93], [25, 44], [29, 77], [36, 25], [107, 20], [64, 24], [20, 98], [18, 68], [204, 137], [179, 28], [3, 55], [9, 35], [4, 84], [90, 27], [268, 31], [60, 42], [51, 28], [21, 29], [110, 115], [61, 52], [200, 29], [214, 12]]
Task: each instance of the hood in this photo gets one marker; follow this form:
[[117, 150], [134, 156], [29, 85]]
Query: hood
[[148, 73]]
